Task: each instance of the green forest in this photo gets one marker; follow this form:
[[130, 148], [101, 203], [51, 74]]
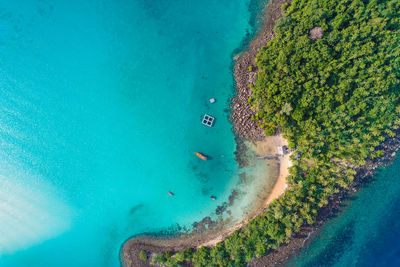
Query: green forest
[[334, 97]]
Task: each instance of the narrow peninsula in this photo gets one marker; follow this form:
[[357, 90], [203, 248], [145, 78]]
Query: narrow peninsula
[[327, 79]]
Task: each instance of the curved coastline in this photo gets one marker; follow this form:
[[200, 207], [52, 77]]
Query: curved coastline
[[129, 253], [249, 135], [247, 129], [285, 253]]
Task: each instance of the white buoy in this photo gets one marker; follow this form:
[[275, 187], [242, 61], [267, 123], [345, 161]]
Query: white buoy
[[212, 100]]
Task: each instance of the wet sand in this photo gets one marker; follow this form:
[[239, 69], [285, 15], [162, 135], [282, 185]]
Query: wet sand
[[247, 130], [280, 184], [210, 237], [281, 255], [269, 146]]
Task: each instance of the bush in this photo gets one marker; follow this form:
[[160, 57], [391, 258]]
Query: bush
[[269, 131], [143, 255], [180, 256], [159, 258], [188, 253]]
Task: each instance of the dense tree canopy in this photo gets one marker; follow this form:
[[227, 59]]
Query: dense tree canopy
[[335, 98]]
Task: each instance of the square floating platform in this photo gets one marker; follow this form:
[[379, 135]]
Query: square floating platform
[[208, 120]]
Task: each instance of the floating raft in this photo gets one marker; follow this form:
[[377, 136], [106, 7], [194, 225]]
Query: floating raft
[[208, 120]]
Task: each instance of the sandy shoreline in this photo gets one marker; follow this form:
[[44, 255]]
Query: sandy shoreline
[[210, 237], [284, 253], [269, 146], [247, 130], [280, 184]]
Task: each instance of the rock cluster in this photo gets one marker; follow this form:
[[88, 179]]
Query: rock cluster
[[241, 115], [244, 126]]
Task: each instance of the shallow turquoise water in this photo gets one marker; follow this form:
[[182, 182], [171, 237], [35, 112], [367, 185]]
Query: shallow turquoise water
[[100, 115], [366, 232]]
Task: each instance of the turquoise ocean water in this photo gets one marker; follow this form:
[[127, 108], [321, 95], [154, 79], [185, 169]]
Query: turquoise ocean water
[[366, 232], [100, 107]]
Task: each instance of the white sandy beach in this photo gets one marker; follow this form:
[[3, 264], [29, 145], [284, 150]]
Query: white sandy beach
[[270, 146]]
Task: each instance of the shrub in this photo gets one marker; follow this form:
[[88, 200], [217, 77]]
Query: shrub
[[285, 6], [143, 255], [269, 131]]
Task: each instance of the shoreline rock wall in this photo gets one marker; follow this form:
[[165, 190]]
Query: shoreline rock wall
[[244, 126]]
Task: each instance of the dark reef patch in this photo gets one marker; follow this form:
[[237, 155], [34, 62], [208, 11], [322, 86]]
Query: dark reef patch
[[135, 208]]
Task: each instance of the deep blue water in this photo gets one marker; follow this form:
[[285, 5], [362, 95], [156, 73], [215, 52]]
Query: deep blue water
[[100, 113], [366, 232]]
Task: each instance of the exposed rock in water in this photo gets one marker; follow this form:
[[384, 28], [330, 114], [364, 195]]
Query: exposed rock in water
[[232, 197], [240, 152], [207, 222], [241, 115], [221, 209]]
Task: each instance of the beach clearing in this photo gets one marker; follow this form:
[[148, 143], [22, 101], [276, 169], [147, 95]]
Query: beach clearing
[[270, 146]]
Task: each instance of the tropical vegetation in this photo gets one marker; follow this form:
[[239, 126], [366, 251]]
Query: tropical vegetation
[[335, 98]]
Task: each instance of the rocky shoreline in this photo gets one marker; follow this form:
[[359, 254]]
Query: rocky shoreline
[[245, 129], [241, 114], [249, 130]]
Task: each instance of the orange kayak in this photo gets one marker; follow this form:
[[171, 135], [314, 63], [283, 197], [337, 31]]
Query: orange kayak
[[200, 156]]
